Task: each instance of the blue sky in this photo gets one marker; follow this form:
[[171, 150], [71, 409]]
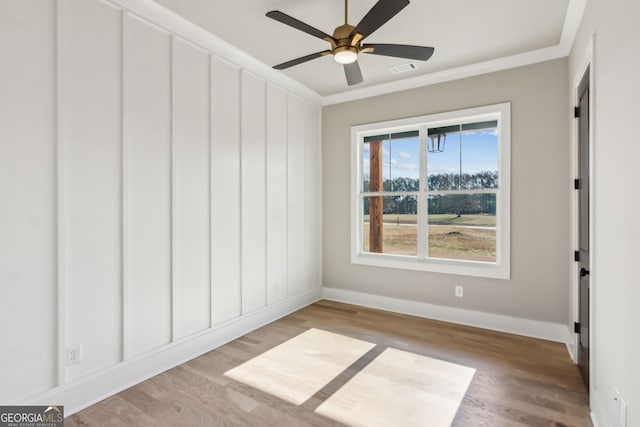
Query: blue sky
[[401, 157]]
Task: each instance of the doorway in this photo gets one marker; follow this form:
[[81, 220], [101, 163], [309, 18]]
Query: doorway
[[583, 252]]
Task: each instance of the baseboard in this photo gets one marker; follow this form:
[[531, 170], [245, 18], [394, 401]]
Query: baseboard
[[571, 345], [598, 413], [82, 393], [557, 332]]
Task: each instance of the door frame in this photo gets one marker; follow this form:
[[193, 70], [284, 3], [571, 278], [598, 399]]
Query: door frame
[[587, 63]]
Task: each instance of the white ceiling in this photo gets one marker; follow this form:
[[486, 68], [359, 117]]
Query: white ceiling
[[463, 32]]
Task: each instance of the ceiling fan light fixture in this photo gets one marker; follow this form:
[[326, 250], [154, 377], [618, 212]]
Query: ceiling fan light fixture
[[345, 55], [346, 41]]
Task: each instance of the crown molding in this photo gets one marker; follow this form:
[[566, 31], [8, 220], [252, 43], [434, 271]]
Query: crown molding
[[519, 60], [575, 10], [572, 20]]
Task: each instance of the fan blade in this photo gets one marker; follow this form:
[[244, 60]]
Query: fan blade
[[421, 53], [379, 14], [301, 60], [353, 73], [298, 25]]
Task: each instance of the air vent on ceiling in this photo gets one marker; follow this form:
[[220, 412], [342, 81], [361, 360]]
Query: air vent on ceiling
[[403, 68]]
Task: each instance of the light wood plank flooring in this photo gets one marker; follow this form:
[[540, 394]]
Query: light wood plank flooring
[[518, 381]]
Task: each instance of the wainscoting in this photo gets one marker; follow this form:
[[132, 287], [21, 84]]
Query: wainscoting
[[164, 196]]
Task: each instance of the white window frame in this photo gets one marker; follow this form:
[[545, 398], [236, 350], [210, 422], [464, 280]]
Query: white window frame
[[501, 269]]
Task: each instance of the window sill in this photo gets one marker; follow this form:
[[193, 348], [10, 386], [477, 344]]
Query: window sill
[[462, 268]]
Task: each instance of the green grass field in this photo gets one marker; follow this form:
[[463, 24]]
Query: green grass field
[[475, 220], [451, 242]]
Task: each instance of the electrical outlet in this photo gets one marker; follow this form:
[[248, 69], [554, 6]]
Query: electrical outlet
[[74, 355], [459, 291]]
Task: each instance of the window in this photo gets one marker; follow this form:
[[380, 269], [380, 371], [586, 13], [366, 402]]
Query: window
[[432, 193]]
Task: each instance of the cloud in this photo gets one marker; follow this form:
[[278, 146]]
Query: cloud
[[403, 166], [491, 132], [405, 155], [408, 166]]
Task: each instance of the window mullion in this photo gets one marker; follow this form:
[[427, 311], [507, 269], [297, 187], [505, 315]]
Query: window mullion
[[390, 193], [422, 219], [462, 192]]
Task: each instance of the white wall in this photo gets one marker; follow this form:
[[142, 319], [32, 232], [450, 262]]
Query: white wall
[[615, 289], [159, 196], [28, 266]]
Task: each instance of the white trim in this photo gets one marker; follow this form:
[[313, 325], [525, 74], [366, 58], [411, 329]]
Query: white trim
[[95, 387], [172, 192], [557, 332], [598, 413], [423, 222], [593, 287], [572, 20], [570, 344], [501, 269], [585, 63], [61, 200], [125, 185], [320, 187]]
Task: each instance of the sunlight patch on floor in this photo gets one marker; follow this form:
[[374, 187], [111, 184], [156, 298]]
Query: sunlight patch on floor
[[298, 368], [399, 388]]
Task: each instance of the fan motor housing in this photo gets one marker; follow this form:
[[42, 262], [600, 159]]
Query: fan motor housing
[[343, 32]]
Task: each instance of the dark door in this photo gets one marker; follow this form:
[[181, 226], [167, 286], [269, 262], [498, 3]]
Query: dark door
[[583, 219]]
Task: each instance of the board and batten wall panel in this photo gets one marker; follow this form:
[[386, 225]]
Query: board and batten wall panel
[[147, 180], [148, 192], [296, 124], [312, 193], [190, 157], [28, 265], [253, 134], [276, 194], [90, 76], [226, 265]]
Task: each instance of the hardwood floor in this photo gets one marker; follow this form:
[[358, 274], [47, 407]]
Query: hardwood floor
[[518, 381]]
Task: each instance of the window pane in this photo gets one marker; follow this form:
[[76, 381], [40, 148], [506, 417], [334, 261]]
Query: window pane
[[391, 165], [403, 162], [443, 158], [366, 166], [462, 227], [390, 225], [480, 158]]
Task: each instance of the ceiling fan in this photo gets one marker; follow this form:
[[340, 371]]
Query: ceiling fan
[[346, 42]]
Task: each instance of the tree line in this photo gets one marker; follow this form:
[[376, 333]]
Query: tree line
[[459, 204]]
